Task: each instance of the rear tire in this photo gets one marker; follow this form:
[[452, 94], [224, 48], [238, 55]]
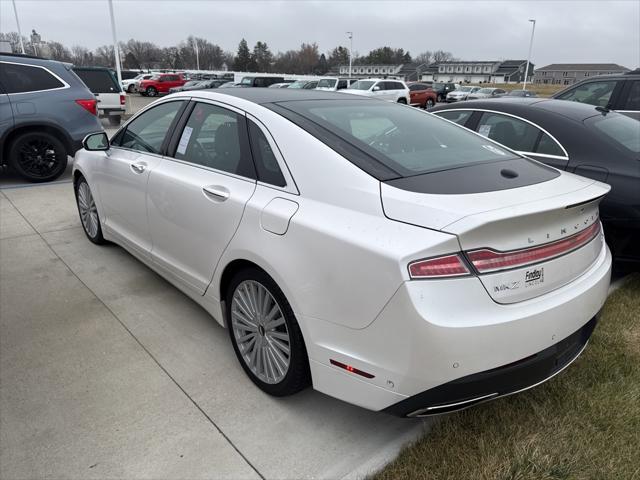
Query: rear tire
[[261, 338], [439, 99], [429, 103], [38, 156], [115, 120]]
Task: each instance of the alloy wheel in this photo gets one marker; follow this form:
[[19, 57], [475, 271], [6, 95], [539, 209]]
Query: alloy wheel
[[88, 210], [38, 158], [260, 332]]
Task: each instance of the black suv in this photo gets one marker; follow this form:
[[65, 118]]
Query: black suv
[[45, 113], [619, 92], [442, 89]]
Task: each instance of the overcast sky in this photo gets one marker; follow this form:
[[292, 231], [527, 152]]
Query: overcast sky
[[566, 31]]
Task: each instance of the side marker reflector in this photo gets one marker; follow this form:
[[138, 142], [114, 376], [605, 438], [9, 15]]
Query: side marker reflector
[[351, 369]]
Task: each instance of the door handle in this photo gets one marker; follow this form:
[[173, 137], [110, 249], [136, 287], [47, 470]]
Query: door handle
[[138, 167], [216, 191]]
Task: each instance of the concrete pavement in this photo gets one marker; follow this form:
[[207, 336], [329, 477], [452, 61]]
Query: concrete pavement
[[106, 370]]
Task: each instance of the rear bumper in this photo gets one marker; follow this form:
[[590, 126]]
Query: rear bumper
[[498, 382], [433, 333]]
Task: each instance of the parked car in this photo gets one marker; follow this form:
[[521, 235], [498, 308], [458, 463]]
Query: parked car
[[461, 93], [486, 92], [390, 90], [333, 84], [615, 92], [188, 85], [259, 81], [161, 83], [389, 258], [45, 112], [442, 89], [112, 102], [306, 84], [131, 85], [581, 139], [421, 95], [280, 85], [229, 85], [518, 93]]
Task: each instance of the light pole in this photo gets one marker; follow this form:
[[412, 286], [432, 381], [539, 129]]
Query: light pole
[[15, 11], [116, 50], [195, 47], [350, 34], [526, 72]]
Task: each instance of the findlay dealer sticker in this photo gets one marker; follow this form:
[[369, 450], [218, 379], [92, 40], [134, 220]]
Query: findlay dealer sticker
[[534, 277]]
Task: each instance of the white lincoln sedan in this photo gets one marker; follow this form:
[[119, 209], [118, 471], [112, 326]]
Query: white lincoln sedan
[[388, 257]]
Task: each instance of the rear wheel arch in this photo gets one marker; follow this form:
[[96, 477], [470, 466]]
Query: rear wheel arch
[[7, 141]]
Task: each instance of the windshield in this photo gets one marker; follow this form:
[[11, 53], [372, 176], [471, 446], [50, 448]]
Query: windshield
[[485, 90], [246, 81], [407, 141], [327, 83], [298, 84], [437, 86], [361, 85], [623, 130]]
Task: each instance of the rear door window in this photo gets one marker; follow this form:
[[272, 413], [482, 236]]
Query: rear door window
[[20, 78], [459, 117], [265, 160], [593, 93], [509, 131], [633, 98]]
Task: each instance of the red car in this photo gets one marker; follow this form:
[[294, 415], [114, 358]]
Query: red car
[[422, 95], [161, 83]]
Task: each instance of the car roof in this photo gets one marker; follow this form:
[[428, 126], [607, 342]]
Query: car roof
[[273, 95], [520, 105]]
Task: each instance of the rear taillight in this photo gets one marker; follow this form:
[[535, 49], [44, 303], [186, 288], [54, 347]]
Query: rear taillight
[[439, 267], [123, 100], [486, 260], [89, 105]]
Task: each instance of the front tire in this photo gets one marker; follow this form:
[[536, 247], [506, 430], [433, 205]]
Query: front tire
[[440, 99], [265, 334], [115, 120], [131, 88], [38, 156], [151, 92], [88, 212], [402, 100]]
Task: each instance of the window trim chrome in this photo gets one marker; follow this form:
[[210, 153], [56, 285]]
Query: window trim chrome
[[64, 86], [557, 157]]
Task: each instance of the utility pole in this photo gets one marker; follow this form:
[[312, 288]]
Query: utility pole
[[15, 11], [526, 72], [350, 34], [116, 49]]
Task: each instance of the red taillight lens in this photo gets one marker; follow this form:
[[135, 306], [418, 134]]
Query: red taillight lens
[[89, 105], [487, 260], [122, 100], [439, 267]]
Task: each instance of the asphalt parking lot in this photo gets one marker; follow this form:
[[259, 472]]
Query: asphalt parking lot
[[106, 370]]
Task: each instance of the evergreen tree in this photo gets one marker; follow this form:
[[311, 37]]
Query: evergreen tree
[[242, 61]]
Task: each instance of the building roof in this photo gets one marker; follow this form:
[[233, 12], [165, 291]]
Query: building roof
[[580, 67]]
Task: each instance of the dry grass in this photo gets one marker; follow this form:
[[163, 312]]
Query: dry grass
[[583, 424], [541, 90]]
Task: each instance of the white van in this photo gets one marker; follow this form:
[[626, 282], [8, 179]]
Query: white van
[[333, 84]]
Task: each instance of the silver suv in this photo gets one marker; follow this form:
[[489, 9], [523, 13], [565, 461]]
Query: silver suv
[[45, 112]]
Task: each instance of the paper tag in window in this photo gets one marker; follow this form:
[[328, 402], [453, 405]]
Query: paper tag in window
[[184, 140], [484, 130]]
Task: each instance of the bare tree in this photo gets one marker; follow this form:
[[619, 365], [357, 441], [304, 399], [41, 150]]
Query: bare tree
[[81, 56], [424, 58], [59, 52], [440, 56]]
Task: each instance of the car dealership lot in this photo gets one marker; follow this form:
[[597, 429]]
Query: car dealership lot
[[106, 370]]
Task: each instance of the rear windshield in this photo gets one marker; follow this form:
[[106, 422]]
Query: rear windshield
[[623, 130], [327, 83], [98, 81], [405, 140]]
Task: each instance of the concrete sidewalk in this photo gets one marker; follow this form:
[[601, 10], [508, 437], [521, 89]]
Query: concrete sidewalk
[[106, 370]]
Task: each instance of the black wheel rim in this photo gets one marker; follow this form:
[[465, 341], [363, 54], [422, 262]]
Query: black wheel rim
[[38, 158]]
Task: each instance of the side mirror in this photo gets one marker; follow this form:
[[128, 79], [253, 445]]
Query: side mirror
[[376, 88], [95, 142]]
